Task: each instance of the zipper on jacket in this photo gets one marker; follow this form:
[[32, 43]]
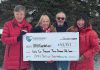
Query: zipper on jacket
[[8, 51], [85, 38], [20, 51], [76, 66], [20, 55]]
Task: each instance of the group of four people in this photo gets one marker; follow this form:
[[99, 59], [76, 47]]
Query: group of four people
[[13, 31]]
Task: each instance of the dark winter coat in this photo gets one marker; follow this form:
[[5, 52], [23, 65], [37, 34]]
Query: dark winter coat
[[43, 65], [61, 28]]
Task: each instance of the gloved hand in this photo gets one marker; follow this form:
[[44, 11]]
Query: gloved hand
[[23, 32], [81, 58], [50, 61]]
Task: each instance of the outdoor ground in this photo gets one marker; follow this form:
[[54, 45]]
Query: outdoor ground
[[97, 62]]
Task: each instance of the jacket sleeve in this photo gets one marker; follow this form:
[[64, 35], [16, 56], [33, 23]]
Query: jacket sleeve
[[6, 38], [94, 44]]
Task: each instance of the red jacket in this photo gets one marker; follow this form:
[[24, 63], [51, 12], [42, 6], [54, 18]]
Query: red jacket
[[13, 58], [88, 47]]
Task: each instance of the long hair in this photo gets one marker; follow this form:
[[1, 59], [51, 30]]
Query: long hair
[[42, 18], [84, 17]]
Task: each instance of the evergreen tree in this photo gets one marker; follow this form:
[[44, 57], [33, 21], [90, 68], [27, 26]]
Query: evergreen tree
[[50, 7]]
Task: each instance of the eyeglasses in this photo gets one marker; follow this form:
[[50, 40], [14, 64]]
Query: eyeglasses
[[60, 18]]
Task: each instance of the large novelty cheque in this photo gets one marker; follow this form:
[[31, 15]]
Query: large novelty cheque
[[63, 46]]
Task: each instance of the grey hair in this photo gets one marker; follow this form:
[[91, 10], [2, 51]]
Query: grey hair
[[61, 13], [19, 7]]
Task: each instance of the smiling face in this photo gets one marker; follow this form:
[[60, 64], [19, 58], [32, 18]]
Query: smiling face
[[45, 23], [60, 18], [80, 23], [19, 15]]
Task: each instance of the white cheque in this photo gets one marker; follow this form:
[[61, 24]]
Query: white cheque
[[62, 46]]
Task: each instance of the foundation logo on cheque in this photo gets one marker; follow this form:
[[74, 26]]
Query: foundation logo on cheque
[[28, 38]]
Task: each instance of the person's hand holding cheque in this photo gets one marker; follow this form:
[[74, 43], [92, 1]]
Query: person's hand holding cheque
[[81, 58], [23, 32], [50, 61]]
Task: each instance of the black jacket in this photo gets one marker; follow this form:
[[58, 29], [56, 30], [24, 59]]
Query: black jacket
[[37, 29], [61, 28]]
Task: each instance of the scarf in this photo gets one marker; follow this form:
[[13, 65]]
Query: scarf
[[47, 29], [20, 24]]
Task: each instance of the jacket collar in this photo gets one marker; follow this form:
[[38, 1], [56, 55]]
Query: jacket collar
[[76, 29], [65, 24], [85, 29], [16, 24]]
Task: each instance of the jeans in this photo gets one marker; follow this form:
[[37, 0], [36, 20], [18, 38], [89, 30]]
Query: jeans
[[41, 65], [62, 65]]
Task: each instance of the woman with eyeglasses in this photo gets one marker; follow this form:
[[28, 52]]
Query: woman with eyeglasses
[[88, 43], [44, 26], [13, 31]]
